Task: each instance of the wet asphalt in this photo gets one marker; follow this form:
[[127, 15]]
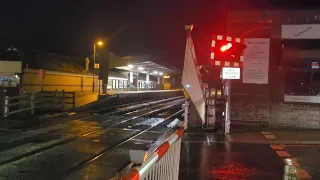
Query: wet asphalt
[[206, 157]]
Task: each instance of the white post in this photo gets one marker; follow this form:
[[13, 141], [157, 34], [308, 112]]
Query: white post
[[6, 106], [158, 82], [131, 78], [184, 123], [186, 114], [32, 103], [228, 101], [147, 81]]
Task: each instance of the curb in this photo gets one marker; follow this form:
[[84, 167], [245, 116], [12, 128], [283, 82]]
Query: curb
[[262, 142]]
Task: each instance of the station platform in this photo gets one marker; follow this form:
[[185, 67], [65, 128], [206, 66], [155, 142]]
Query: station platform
[[113, 92], [273, 154], [124, 97]]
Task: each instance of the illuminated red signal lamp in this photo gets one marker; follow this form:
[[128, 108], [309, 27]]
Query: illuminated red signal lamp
[[226, 47]]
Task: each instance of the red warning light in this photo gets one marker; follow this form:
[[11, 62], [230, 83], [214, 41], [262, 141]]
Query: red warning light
[[225, 47]]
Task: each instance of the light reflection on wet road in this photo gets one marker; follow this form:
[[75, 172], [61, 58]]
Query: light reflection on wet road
[[229, 161], [211, 158]]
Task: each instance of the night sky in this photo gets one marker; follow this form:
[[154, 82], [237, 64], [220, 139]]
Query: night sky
[[70, 27]]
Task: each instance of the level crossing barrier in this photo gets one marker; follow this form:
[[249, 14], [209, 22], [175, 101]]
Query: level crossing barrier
[[163, 163], [44, 100]]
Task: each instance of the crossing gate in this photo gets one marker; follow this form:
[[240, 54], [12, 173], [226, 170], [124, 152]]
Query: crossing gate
[[163, 163]]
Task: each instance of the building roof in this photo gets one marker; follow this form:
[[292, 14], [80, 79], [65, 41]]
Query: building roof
[[50, 61], [147, 63], [36, 59]]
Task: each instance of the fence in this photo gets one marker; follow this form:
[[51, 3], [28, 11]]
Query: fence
[[163, 163], [32, 102]]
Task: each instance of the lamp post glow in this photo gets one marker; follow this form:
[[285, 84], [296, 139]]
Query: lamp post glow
[[99, 43]]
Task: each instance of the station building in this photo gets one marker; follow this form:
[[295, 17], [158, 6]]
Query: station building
[[33, 70], [290, 96]]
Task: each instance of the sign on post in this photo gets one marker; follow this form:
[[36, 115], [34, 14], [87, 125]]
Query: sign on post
[[42, 73], [256, 61], [230, 73], [300, 31]]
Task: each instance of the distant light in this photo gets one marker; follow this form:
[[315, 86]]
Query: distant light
[[161, 73], [166, 77], [141, 68], [130, 66], [17, 76], [187, 86], [100, 43], [12, 49], [155, 72]]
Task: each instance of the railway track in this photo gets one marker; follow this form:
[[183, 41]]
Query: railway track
[[119, 126], [111, 112]]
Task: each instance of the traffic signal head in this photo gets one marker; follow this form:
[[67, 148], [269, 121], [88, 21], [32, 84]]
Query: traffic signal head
[[226, 50]]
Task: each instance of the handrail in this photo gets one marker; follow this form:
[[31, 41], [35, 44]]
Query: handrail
[[163, 163], [37, 100]]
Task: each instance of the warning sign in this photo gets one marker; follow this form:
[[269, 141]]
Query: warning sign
[[230, 73]]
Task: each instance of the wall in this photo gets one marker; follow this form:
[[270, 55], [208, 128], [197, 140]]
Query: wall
[[31, 82], [82, 85], [297, 115], [264, 104]]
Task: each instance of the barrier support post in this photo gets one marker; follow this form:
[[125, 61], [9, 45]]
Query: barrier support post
[[184, 124], [32, 103]]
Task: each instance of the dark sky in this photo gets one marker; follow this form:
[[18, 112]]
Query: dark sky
[[70, 26]]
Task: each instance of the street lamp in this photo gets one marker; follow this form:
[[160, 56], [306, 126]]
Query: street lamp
[[99, 43]]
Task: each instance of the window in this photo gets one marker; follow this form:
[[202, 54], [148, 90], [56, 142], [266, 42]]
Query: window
[[9, 80], [298, 83], [125, 84], [302, 44], [120, 84], [109, 85]]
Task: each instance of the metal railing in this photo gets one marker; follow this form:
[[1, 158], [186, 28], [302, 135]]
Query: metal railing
[[45, 100], [163, 163]]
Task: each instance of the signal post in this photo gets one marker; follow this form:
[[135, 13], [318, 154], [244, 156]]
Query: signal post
[[227, 52]]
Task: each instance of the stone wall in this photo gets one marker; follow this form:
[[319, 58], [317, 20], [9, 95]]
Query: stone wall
[[297, 115], [249, 108], [258, 110]]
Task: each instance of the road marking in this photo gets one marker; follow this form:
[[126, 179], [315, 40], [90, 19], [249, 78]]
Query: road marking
[[276, 147], [269, 136], [299, 145], [283, 154], [302, 174], [265, 132], [291, 162]]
